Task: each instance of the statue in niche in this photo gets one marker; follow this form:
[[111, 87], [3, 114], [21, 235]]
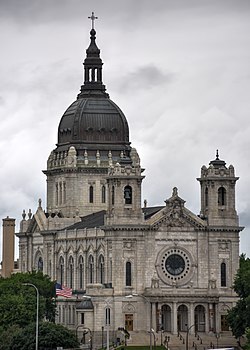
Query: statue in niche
[[155, 281]]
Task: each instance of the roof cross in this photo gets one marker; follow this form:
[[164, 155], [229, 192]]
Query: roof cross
[[93, 18]]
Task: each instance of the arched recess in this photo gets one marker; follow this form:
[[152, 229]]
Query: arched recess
[[128, 194], [128, 274], [71, 272], [80, 272], [90, 269], [100, 269], [200, 318], [103, 194], [221, 196], [60, 272], [39, 261], [223, 274], [166, 318], [182, 318]]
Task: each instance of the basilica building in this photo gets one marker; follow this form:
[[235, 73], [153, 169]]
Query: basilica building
[[129, 265]]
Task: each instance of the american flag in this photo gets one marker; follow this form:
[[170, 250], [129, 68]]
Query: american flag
[[63, 291]]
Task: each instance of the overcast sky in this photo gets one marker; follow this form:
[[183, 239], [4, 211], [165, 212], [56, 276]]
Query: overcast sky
[[179, 70]]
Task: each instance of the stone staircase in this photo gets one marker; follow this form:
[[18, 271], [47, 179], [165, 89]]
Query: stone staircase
[[199, 341]]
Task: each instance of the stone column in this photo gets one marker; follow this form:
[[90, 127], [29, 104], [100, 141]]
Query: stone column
[[154, 315], [191, 319], [211, 318], [174, 318]]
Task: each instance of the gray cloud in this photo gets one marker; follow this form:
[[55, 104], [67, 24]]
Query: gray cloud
[[144, 78], [178, 69]]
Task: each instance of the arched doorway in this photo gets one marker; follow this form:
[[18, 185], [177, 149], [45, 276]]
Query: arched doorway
[[182, 318], [199, 318], [166, 318]]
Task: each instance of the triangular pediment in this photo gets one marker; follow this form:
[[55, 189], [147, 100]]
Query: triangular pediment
[[38, 222], [174, 214]]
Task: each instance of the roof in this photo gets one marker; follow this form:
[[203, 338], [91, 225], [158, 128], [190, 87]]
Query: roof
[[89, 221], [150, 211], [97, 219]]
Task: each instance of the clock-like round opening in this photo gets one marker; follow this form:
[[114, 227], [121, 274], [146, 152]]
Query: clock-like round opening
[[175, 264]]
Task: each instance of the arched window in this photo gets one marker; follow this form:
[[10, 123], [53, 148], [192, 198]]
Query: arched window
[[101, 269], [81, 273], [128, 194], [60, 193], [61, 270], [91, 194], [40, 264], [221, 196], [64, 192], [113, 195], [103, 194], [128, 274], [57, 194], [91, 269], [206, 197], [223, 274], [71, 271]]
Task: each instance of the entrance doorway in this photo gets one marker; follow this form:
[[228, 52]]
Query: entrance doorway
[[166, 318], [129, 322], [224, 324], [199, 317], [182, 318]]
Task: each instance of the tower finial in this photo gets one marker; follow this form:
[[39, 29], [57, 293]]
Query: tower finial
[[217, 154], [93, 18]]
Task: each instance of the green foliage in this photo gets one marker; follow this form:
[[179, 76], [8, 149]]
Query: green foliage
[[50, 336], [18, 301], [239, 316], [18, 314], [247, 347]]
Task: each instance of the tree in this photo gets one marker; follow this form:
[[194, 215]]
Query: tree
[[18, 302], [239, 316], [18, 314], [51, 336]]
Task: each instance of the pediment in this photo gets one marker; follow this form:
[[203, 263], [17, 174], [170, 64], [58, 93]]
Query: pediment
[[174, 214], [38, 222]]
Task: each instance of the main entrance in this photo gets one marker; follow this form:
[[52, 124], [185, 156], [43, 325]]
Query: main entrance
[[129, 322]]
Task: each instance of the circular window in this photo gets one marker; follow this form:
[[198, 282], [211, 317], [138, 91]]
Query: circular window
[[174, 265]]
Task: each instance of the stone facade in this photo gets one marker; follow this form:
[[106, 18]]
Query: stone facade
[[153, 267]]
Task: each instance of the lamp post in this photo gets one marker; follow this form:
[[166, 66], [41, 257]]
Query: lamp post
[[37, 309], [102, 336], [85, 331], [150, 319], [188, 329], [107, 319], [217, 335]]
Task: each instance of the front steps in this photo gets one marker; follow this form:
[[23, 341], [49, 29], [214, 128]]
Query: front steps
[[201, 341]]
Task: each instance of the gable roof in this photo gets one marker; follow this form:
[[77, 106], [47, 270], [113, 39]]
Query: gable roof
[[89, 221]]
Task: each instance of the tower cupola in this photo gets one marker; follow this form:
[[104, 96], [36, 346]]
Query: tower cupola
[[218, 193]]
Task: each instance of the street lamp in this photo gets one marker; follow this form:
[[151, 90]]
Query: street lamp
[[37, 309], [107, 319], [85, 331], [150, 320], [188, 329], [217, 336]]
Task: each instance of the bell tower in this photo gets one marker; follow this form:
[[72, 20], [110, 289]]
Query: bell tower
[[124, 191], [218, 193]]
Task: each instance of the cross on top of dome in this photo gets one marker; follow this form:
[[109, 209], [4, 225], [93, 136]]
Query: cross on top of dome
[[93, 18]]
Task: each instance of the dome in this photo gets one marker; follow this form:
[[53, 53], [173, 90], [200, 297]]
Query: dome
[[93, 122]]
